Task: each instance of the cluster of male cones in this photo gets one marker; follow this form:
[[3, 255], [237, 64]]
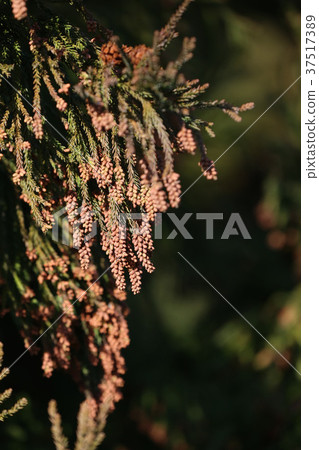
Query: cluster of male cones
[[100, 147]]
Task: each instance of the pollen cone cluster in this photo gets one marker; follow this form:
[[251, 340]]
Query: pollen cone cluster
[[94, 148]]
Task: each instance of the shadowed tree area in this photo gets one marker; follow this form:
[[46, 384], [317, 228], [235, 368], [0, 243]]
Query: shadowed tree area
[[197, 375]]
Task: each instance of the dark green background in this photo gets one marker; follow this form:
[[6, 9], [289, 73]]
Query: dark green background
[[198, 377]]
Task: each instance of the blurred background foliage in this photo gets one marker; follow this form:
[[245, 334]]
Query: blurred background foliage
[[198, 377]]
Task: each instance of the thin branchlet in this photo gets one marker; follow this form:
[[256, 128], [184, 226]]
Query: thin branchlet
[[19, 404]]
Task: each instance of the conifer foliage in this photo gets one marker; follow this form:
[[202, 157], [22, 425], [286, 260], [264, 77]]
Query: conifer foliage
[[90, 432], [21, 403], [91, 125]]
